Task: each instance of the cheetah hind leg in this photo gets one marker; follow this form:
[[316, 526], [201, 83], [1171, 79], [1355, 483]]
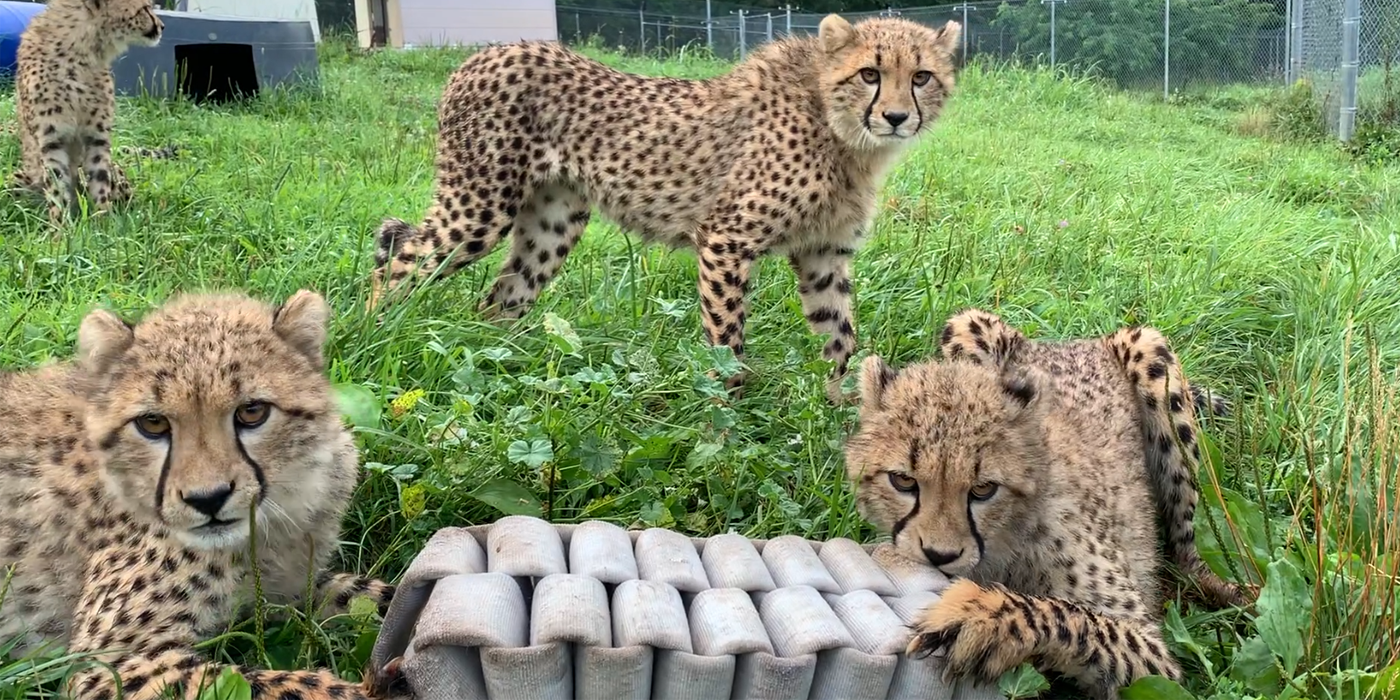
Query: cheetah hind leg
[[544, 232]]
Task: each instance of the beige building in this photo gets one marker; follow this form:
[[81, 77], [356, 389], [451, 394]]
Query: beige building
[[409, 23]]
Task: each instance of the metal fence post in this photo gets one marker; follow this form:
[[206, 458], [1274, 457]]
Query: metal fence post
[[787, 29], [1295, 41], [966, 30], [743, 41], [1167, 51], [1052, 4], [769, 29], [1351, 40], [1288, 42], [709, 27], [642, 28]]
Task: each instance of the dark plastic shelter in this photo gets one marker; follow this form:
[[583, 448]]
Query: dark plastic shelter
[[212, 57]]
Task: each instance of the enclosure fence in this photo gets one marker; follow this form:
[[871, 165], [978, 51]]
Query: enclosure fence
[[1346, 49]]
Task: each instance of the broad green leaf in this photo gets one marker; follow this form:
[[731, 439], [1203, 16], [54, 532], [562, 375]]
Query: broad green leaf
[[1155, 688], [562, 333], [1022, 682], [534, 453], [1387, 685], [357, 404], [596, 456], [229, 685], [496, 354], [703, 454], [1176, 629], [508, 497], [1254, 665], [724, 360], [1285, 612]]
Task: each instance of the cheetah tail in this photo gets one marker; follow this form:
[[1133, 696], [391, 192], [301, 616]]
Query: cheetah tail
[[1169, 432], [979, 337], [167, 152]]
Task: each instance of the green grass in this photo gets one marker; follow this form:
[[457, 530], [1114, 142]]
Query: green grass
[[1066, 207]]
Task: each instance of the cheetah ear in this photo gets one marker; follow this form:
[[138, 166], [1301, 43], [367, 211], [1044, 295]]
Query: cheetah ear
[[102, 338], [301, 322], [875, 379], [1024, 390], [948, 37], [835, 33]]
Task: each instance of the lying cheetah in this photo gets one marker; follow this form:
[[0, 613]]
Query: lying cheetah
[[128, 479], [66, 101], [783, 155], [1020, 466]]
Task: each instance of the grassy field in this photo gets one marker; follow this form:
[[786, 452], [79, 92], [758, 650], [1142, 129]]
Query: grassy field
[[1067, 208]]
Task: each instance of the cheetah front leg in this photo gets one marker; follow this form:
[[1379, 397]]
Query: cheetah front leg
[[139, 617], [470, 215], [824, 283], [987, 631], [545, 232], [103, 181], [183, 673], [725, 263], [58, 186]]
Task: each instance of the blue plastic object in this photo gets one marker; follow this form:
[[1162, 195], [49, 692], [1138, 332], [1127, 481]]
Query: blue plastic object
[[14, 17]]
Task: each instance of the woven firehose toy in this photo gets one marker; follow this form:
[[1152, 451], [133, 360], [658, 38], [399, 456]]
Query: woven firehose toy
[[522, 608]]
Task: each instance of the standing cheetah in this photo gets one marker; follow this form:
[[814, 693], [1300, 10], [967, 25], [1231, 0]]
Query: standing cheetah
[[128, 479], [66, 100], [784, 155], [1029, 470]]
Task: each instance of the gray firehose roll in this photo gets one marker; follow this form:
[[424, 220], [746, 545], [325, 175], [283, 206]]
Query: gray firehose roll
[[525, 609]]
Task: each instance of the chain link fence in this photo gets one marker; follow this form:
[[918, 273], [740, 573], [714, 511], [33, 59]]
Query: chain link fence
[[1348, 50]]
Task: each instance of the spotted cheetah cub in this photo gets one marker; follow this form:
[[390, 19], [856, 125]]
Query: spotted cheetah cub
[[783, 155], [66, 100], [1029, 472], [130, 480]]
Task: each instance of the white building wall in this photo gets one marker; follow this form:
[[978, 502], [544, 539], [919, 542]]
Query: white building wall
[[455, 22]]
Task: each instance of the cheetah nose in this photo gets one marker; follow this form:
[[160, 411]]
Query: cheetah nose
[[938, 558], [895, 118], [209, 501]]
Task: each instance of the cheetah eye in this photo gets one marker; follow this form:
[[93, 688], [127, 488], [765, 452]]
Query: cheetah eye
[[922, 77], [982, 492], [903, 483], [152, 426], [870, 75], [251, 414]]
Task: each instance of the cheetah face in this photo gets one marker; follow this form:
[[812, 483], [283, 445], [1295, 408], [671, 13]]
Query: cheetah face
[[214, 411], [947, 459], [885, 80], [134, 20]]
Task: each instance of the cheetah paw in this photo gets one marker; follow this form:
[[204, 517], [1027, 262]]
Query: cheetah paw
[[980, 633], [389, 683]]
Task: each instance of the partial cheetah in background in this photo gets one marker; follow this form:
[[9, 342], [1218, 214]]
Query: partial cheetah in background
[[783, 155], [1017, 467], [128, 479], [66, 101]]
